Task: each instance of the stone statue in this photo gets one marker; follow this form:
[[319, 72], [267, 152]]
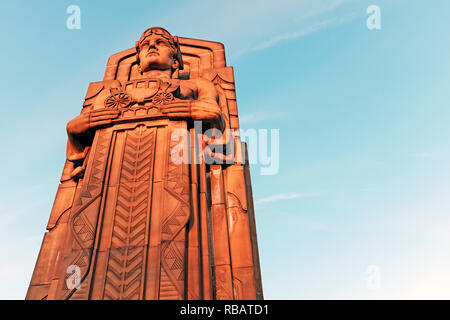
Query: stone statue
[[130, 221]]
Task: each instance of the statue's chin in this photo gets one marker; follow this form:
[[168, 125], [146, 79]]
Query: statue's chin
[[156, 67]]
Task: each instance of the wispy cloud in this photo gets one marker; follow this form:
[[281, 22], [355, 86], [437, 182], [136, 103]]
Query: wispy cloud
[[298, 34], [246, 26], [279, 197], [315, 226], [427, 155], [258, 117]]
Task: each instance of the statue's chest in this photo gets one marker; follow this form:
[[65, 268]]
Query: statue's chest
[[153, 91], [148, 92], [143, 97]]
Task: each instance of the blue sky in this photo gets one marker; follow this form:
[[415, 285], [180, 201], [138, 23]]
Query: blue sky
[[364, 175]]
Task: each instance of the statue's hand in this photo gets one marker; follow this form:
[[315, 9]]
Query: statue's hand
[[177, 109], [195, 109], [91, 120]]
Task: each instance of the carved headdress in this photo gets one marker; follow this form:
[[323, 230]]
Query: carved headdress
[[173, 41]]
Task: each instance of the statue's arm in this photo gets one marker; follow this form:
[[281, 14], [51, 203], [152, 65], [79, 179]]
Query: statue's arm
[[75, 130], [205, 107], [84, 124], [89, 119]]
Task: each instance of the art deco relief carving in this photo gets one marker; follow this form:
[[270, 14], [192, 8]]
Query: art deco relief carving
[[136, 223]]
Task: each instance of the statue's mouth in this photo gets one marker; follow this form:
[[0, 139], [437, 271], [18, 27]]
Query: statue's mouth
[[153, 53]]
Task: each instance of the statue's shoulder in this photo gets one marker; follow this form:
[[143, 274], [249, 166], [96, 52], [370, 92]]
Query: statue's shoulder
[[197, 83], [96, 88]]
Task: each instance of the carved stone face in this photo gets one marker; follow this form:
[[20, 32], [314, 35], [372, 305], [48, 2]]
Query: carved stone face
[[156, 53]]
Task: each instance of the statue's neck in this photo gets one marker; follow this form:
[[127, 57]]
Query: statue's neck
[[157, 74]]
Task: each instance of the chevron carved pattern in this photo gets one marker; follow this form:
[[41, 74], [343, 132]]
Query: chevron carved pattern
[[173, 230], [93, 184], [82, 231], [126, 264], [167, 291], [177, 188]]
